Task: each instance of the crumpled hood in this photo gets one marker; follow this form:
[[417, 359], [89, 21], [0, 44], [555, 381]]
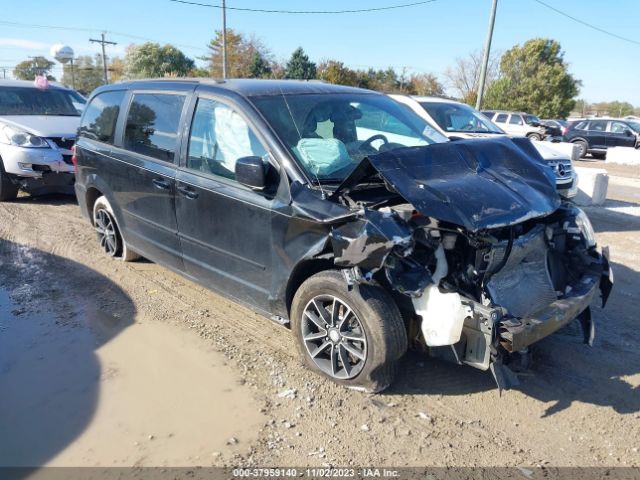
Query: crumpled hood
[[45, 125], [477, 184]]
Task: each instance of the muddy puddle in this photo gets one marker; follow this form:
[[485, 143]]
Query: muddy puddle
[[94, 389]]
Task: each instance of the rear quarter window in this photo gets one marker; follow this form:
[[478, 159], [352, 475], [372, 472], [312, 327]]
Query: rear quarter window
[[502, 118], [100, 116]]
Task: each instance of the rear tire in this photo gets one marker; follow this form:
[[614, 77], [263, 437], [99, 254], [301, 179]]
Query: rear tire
[[360, 327], [582, 148], [108, 232], [534, 136], [8, 190]]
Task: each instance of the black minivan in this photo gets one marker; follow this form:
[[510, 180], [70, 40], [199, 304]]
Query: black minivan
[[337, 212]]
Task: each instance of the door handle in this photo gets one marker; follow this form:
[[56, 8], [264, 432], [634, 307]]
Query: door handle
[[188, 192], [161, 183]]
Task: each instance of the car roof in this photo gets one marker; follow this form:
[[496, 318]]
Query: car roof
[[29, 84], [247, 87], [508, 111]]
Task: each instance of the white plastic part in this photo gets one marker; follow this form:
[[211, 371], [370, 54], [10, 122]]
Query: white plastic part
[[623, 155], [592, 186], [442, 314]]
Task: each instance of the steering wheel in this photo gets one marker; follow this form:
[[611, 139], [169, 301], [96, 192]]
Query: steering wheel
[[373, 138]]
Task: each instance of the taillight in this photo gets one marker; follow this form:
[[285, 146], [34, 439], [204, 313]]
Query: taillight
[[74, 159], [565, 130]]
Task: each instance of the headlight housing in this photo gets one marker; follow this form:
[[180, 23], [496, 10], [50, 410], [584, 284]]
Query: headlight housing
[[584, 224], [21, 138]]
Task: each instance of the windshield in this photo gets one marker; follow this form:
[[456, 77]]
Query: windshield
[[531, 119], [33, 101], [330, 134], [455, 117], [635, 126]]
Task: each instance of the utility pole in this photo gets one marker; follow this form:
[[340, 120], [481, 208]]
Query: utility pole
[[224, 40], [73, 76], [487, 51], [103, 42]]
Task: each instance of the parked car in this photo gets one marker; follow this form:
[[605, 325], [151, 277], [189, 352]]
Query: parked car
[[555, 127], [338, 212], [37, 131], [458, 120], [596, 135], [518, 123]]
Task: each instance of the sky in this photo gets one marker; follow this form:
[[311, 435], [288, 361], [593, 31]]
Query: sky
[[420, 38]]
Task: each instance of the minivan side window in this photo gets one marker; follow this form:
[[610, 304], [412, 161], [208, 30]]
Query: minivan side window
[[219, 137], [501, 118], [100, 116], [516, 120], [598, 125], [152, 124]]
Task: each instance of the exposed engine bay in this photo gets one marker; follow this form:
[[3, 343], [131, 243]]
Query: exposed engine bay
[[486, 257]]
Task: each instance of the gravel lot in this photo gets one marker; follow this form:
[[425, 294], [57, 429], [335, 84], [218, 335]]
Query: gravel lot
[[578, 406]]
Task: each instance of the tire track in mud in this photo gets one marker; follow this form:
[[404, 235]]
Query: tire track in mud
[[440, 414]]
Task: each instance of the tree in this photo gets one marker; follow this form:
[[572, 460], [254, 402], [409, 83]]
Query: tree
[[534, 78], [116, 69], [464, 75], [87, 73], [333, 71], [299, 66], [259, 67], [152, 60], [240, 54], [424, 84], [28, 69]]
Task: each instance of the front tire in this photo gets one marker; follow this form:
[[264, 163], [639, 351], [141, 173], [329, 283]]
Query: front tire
[[353, 336], [108, 233], [8, 190]]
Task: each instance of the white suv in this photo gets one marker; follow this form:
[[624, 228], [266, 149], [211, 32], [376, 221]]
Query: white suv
[[38, 127], [518, 124], [459, 120]]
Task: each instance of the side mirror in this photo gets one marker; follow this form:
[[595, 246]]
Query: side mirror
[[251, 171], [628, 132]]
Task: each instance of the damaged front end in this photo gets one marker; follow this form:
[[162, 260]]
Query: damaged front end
[[481, 252]]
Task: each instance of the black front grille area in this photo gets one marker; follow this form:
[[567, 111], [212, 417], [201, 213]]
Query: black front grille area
[[63, 142]]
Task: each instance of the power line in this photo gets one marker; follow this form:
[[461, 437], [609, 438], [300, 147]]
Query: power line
[[303, 12], [586, 24]]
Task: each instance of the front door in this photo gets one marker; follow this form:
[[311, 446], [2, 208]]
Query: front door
[[620, 135], [145, 185], [224, 227]]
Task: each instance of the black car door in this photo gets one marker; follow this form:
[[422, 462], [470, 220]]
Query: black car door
[[224, 227], [620, 135], [597, 134], [144, 183]]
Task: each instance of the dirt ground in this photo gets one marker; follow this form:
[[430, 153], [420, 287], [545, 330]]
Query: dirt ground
[[107, 363]]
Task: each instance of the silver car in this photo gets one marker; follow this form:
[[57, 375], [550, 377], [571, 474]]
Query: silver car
[[38, 128]]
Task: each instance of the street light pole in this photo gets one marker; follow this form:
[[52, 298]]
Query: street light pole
[[487, 51], [224, 40]]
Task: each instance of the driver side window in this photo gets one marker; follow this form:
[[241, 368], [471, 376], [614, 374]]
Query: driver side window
[[219, 137]]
